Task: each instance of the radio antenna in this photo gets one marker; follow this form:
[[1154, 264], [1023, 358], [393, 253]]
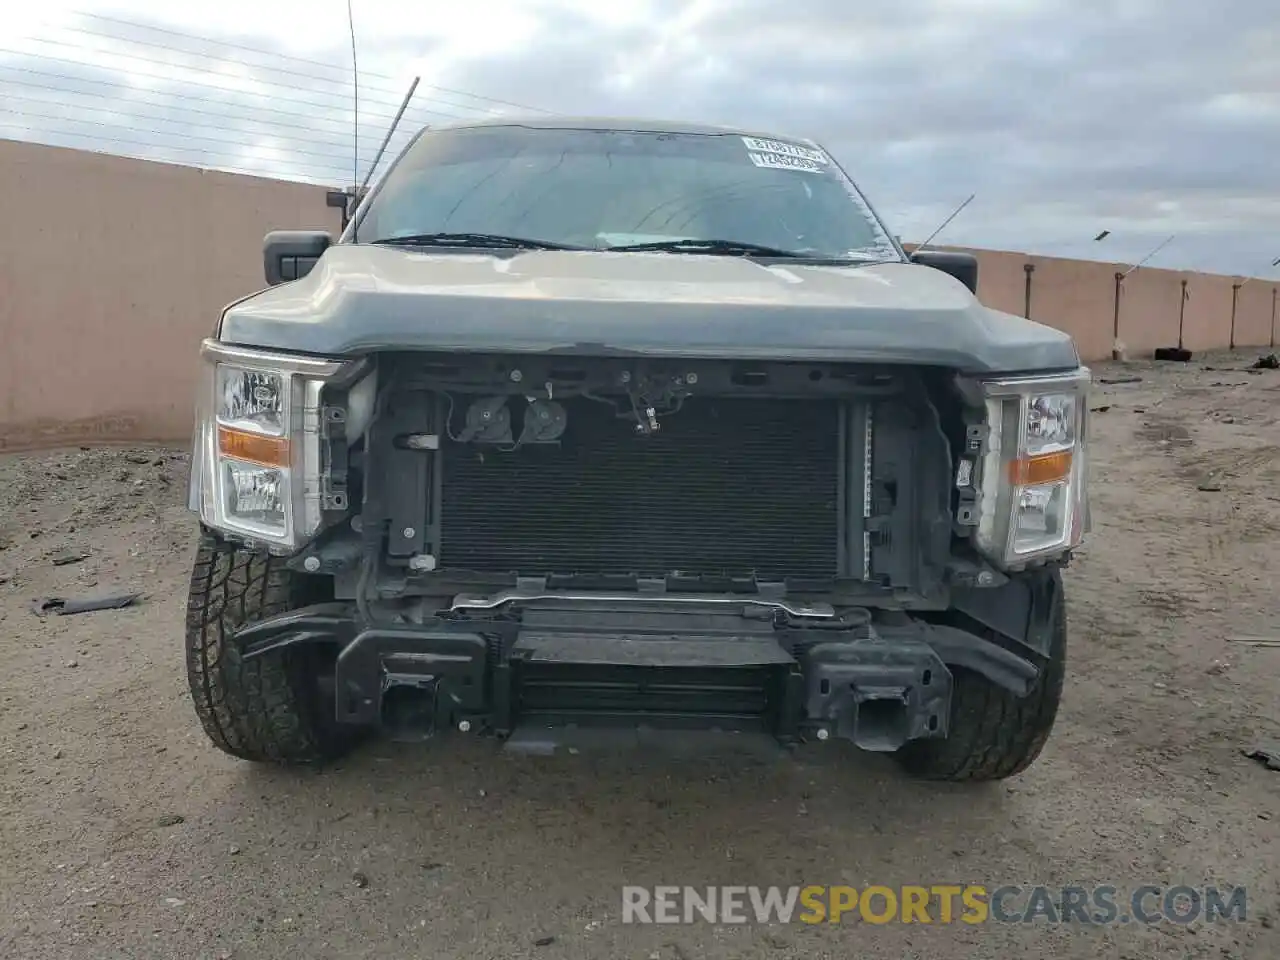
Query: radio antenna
[[355, 91], [921, 246], [359, 191], [387, 139]]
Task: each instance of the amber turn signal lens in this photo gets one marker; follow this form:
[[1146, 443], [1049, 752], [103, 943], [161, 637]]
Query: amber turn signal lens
[[1042, 469], [253, 447]]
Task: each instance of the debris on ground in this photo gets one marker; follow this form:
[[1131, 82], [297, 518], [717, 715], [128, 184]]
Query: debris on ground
[[1102, 409], [1256, 640], [1119, 379], [1173, 354], [1269, 362], [66, 557], [1267, 754], [1209, 486], [170, 820], [63, 606], [360, 880]]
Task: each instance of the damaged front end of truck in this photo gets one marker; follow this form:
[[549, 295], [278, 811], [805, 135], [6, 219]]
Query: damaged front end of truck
[[522, 487], [802, 549]]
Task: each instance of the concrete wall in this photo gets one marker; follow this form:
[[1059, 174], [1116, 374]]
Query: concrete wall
[[112, 270]]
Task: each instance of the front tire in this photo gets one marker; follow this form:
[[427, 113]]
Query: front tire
[[269, 709], [995, 734]]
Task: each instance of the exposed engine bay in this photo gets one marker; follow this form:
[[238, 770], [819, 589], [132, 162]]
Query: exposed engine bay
[[699, 475], [558, 540]]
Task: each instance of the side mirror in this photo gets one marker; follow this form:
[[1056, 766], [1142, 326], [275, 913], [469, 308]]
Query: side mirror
[[290, 254], [962, 266]]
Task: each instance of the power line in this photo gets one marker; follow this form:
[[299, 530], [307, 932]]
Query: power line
[[227, 120], [223, 59], [302, 141], [273, 174], [219, 142], [322, 113], [214, 86], [182, 98], [264, 132], [265, 136], [310, 77], [268, 147], [294, 59]]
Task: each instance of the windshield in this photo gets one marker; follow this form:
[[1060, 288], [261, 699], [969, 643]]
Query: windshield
[[613, 188]]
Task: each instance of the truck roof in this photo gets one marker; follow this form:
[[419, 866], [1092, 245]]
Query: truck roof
[[635, 124]]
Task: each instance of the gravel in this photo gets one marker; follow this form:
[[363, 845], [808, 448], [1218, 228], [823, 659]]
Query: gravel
[[454, 850]]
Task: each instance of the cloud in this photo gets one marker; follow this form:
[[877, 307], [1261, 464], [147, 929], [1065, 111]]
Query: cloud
[[1065, 117]]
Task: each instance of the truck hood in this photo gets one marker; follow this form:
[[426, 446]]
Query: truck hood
[[363, 298]]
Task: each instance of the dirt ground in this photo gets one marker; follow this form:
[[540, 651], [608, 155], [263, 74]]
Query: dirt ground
[[123, 833]]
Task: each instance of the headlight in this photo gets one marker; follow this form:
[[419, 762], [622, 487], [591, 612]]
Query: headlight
[[252, 400], [1032, 486], [256, 463]]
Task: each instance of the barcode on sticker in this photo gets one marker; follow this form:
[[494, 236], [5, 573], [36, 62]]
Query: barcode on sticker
[[784, 161], [779, 147]]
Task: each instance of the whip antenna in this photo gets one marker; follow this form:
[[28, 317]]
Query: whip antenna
[[355, 107]]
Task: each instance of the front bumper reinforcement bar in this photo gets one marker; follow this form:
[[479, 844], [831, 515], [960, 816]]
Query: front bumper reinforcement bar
[[656, 662]]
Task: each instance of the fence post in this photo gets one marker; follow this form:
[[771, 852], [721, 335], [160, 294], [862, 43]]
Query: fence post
[[1115, 320], [1273, 317], [1235, 298], [1182, 311], [1028, 269]]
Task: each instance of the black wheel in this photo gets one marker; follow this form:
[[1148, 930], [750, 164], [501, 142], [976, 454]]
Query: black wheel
[[995, 734], [271, 708]]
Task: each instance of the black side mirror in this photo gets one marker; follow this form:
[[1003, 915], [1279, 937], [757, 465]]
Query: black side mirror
[[290, 254], [962, 266]]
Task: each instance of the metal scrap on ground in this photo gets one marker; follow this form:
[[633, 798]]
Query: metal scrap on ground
[[62, 606]]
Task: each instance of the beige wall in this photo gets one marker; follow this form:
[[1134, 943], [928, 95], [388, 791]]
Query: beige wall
[[112, 270]]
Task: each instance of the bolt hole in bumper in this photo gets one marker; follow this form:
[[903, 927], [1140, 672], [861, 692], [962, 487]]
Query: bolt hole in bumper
[[556, 665]]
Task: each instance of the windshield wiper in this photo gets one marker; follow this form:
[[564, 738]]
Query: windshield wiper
[[726, 248], [474, 240]]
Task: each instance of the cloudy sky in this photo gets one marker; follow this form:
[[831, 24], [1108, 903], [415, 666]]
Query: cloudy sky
[[1147, 118]]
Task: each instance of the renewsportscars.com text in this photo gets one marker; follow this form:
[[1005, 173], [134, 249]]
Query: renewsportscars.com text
[[934, 904]]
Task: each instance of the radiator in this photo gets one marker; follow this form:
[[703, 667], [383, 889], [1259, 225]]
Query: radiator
[[727, 488]]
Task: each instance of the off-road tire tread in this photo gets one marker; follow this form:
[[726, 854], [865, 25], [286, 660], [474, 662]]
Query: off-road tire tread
[[994, 734], [261, 709]]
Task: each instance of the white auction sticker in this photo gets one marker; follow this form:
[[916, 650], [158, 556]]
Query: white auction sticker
[[784, 161], [779, 147]]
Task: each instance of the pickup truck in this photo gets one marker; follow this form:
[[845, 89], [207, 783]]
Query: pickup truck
[[606, 424]]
